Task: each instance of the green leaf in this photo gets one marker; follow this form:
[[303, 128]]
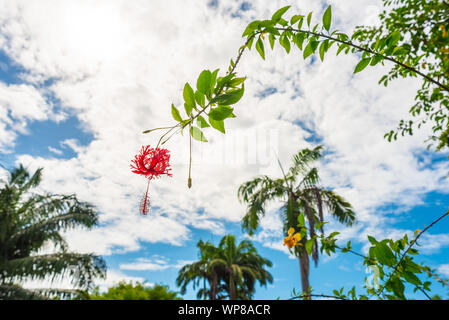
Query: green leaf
[[376, 59], [230, 97], [410, 277], [341, 47], [372, 240], [197, 134], [278, 14], [295, 18], [175, 113], [309, 245], [223, 81], [252, 26], [362, 65], [284, 42], [323, 50], [300, 39], [201, 122], [301, 220], [310, 48], [203, 83], [393, 39], [272, 39], [272, 30], [384, 254], [309, 18], [260, 48], [327, 17], [220, 113], [200, 99], [217, 124], [189, 97], [236, 81], [397, 287]]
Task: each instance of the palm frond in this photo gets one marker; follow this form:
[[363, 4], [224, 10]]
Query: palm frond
[[302, 160], [338, 207], [81, 268]]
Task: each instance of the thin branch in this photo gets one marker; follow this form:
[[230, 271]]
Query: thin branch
[[410, 246], [316, 295], [349, 43], [435, 276]]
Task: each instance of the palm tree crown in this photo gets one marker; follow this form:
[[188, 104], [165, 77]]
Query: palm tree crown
[[230, 270], [29, 221], [300, 192]]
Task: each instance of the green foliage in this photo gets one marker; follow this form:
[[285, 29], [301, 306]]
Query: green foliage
[[27, 222], [231, 270], [415, 32], [137, 291]]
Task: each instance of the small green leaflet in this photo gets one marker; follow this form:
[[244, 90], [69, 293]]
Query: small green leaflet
[[300, 40], [310, 48], [251, 27], [217, 124], [362, 64], [309, 18], [201, 122], [327, 17], [200, 99], [272, 39], [278, 14], [189, 96], [188, 109], [384, 254], [301, 220], [230, 97], [283, 40], [309, 245], [295, 19], [204, 81], [260, 48], [197, 134], [220, 113], [175, 113]]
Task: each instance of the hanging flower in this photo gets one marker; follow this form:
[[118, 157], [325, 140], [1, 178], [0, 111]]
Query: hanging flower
[[151, 163], [292, 239]]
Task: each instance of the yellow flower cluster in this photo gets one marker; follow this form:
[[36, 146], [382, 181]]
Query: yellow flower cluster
[[292, 239]]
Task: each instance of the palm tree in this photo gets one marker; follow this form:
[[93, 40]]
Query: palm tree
[[230, 270], [29, 221], [199, 270], [300, 192]]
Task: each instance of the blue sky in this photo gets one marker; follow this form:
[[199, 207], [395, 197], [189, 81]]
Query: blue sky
[[77, 89]]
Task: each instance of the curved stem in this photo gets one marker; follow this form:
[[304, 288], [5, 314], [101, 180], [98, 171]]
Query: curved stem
[[316, 295], [360, 48]]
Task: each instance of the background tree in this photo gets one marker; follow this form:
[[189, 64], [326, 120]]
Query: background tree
[[137, 291], [300, 192], [420, 30], [231, 270], [29, 221], [199, 272]]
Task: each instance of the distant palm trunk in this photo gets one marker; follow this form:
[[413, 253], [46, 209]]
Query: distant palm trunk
[[233, 293], [304, 270]]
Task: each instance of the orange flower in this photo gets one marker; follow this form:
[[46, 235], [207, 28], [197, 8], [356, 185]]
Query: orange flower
[[292, 239]]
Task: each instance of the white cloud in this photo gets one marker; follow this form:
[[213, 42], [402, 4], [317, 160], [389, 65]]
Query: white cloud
[[55, 151], [444, 269], [156, 263], [119, 64], [20, 104]]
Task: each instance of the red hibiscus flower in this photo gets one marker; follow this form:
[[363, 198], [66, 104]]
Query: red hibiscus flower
[[151, 163]]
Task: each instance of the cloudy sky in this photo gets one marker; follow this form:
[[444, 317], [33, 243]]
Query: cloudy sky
[[80, 80]]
